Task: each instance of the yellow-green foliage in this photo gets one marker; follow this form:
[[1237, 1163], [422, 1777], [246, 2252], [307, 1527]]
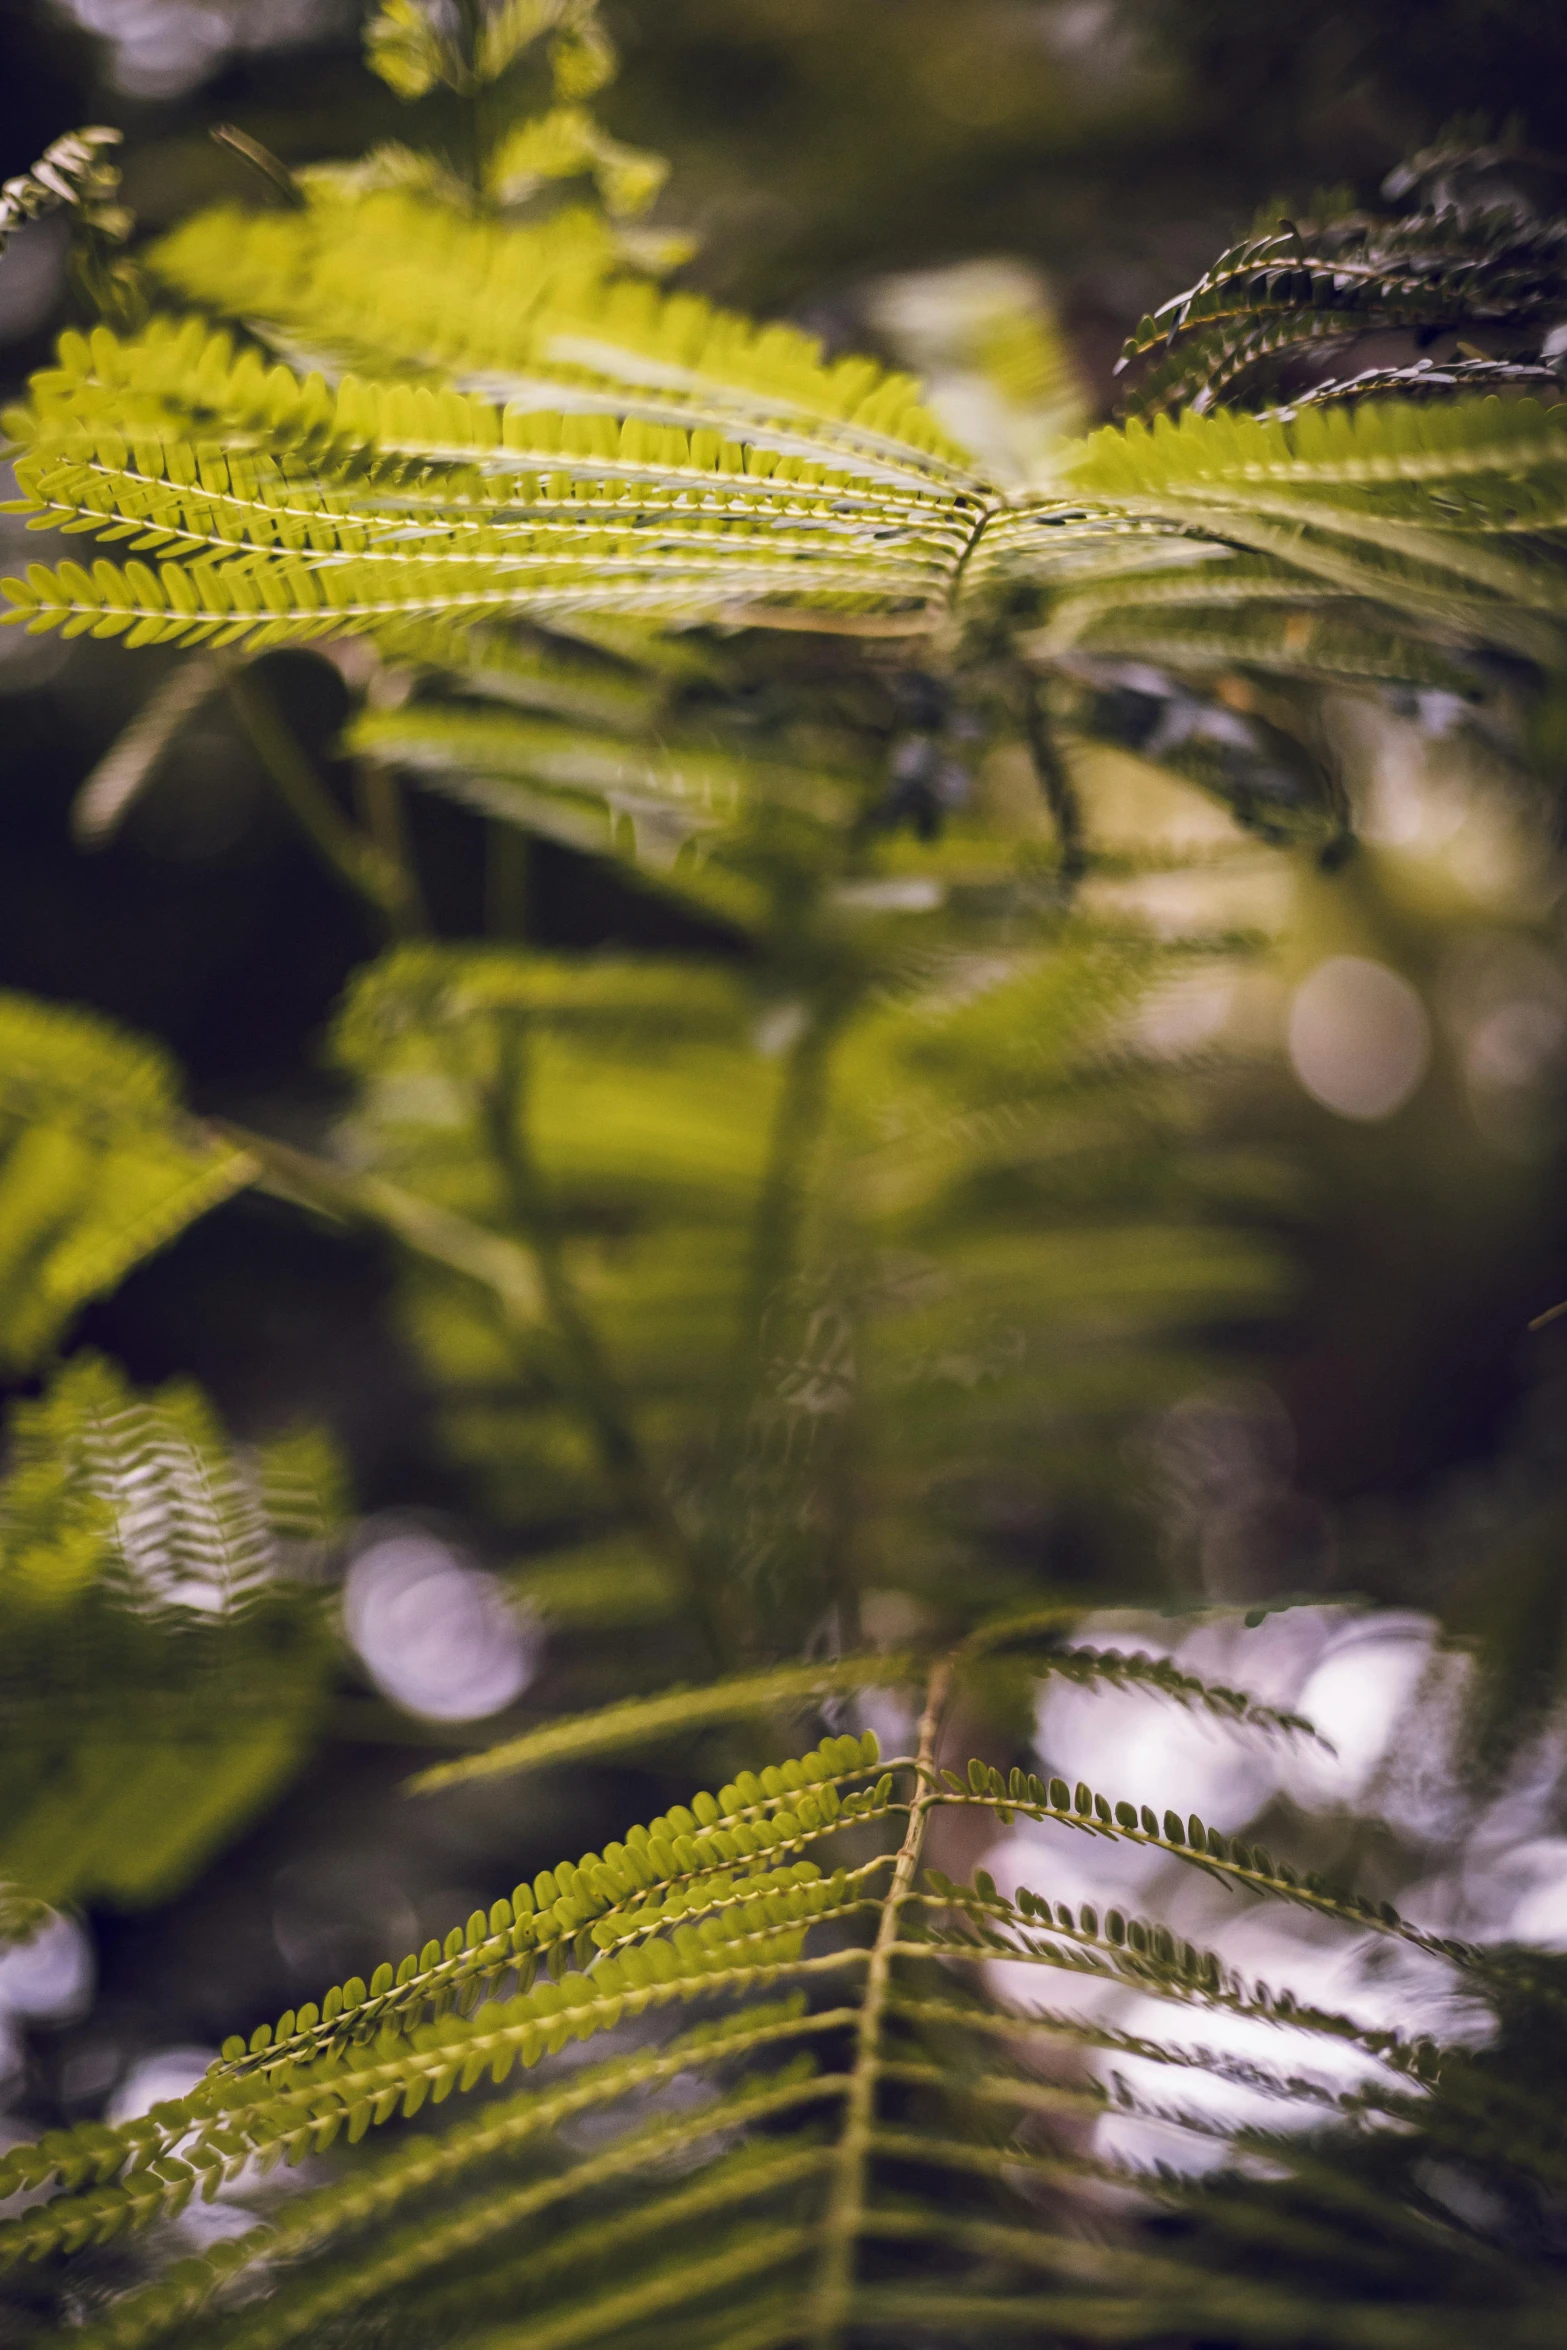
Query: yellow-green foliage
[[571, 439], [75, 171], [158, 1680], [99, 1166], [801, 1269], [856, 2091], [920, 1224]]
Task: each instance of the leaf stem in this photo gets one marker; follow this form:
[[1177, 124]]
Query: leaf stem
[[844, 2224], [797, 1121], [1056, 785], [503, 1113], [471, 17], [380, 804], [362, 863]]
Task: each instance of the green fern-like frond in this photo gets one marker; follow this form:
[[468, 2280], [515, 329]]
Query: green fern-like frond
[[75, 172], [691, 1293], [161, 1674], [677, 1711], [566, 144], [404, 45], [541, 316], [99, 1167], [412, 45], [865, 2130], [1371, 548], [1469, 254], [1413, 507], [527, 430], [452, 507], [560, 780]]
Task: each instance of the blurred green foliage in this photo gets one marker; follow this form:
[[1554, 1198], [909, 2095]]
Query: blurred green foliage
[[817, 1089]]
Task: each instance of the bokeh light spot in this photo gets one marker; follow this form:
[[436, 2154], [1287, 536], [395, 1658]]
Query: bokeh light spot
[[437, 1637], [1359, 1039]]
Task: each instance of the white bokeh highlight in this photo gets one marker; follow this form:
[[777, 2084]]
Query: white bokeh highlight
[[437, 1636], [167, 2073], [1359, 1039], [1387, 1699], [162, 48], [49, 1979], [174, 2072]]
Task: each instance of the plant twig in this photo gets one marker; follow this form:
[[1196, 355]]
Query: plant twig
[[381, 812], [503, 1112], [358, 861], [431, 1231], [834, 2291], [1056, 785], [262, 162]]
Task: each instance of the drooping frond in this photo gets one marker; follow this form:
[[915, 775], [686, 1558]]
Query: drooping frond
[[1469, 255], [639, 1720], [1447, 515], [75, 172], [99, 1166], [160, 1675]]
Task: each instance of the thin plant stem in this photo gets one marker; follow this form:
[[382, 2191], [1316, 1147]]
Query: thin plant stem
[[356, 860], [775, 1237], [380, 804], [847, 2191], [1056, 785], [503, 1106], [471, 17], [797, 1122], [261, 160]]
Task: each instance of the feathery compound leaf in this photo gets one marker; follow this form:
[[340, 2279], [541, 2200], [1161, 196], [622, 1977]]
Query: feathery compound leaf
[[159, 1678], [75, 172], [284, 510], [641, 803], [676, 1711], [99, 1167], [567, 143], [403, 46], [544, 317], [1411, 507], [767, 2153], [595, 446], [1229, 1859], [408, 43], [1467, 253], [1113, 1668], [734, 1278]]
